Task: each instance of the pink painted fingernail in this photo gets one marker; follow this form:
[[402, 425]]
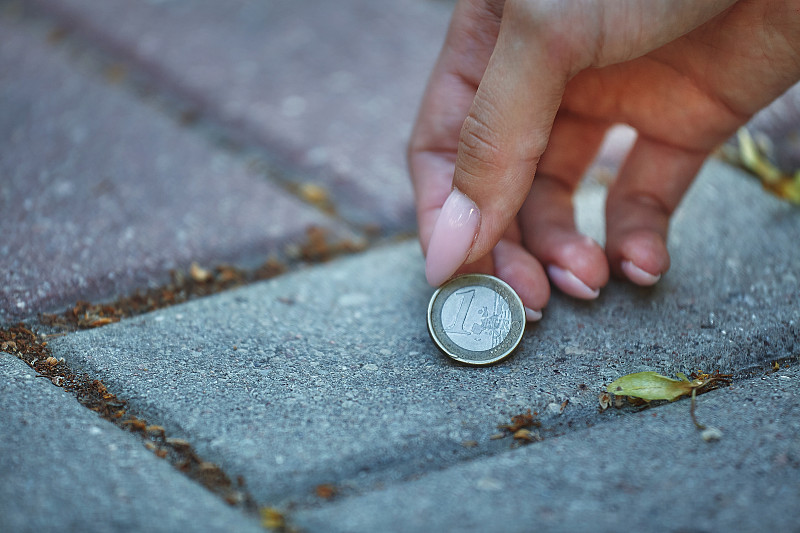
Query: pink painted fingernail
[[639, 276], [452, 237], [531, 315], [570, 284]]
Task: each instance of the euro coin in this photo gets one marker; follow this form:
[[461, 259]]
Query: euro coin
[[476, 319]]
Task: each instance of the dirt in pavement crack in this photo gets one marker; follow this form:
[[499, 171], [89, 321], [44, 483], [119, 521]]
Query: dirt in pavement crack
[[31, 348], [197, 282]]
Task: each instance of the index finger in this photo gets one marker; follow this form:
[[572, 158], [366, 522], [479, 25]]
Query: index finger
[[451, 89]]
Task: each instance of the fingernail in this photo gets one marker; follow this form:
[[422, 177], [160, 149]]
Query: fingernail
[[639, 276], [531, 315], [570, 284], [452, 237]]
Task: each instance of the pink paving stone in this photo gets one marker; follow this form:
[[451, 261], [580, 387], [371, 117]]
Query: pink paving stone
[[329, 87], [101, 193]]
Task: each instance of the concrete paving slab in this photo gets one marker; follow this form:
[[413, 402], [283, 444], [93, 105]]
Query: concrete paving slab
[[101, 193], [62, 468], [650, 471], [328, 375], [329, 88]]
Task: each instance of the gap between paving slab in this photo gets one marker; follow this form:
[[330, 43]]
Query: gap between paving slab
[[650, 471], [64, 469], [775, 337], [328, 375], [94, 395]]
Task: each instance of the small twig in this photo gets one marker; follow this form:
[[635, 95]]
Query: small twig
[[697, 424]]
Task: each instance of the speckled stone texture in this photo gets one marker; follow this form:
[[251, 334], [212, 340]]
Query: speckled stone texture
[[63, 469], [329, 376], [651, 472], [330, 88], [101, 193]]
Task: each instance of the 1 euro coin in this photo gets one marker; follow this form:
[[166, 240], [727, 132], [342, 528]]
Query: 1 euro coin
[[476, 319]]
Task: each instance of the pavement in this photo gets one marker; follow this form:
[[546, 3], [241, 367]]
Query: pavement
[[141, 136]]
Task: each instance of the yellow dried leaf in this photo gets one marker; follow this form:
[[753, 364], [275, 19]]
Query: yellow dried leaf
[[314, 194], [523, 434], [651, 386], [102, 321], [788, 188], [781, 184], [272, 518], [753, 160], [200, 274]]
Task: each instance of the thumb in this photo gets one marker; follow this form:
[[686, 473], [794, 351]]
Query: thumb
[[501, 141]]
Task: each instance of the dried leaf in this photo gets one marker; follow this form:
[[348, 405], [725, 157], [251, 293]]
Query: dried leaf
[[651, 386], [605, 401], [314, 194], [200, 274], [526, 435], [102, 321], [522, 420], [272, 518], [178, 444], [779, 183], [9, 345], [326, 491], [158, 430]]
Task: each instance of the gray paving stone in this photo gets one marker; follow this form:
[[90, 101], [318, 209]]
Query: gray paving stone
[[650, 471], [330, 88], [101, 193], [62, 468], [328, 375]]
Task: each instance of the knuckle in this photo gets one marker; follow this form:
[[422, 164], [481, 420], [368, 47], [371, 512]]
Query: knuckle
[[651, 202], [479, 146], [552, 24]]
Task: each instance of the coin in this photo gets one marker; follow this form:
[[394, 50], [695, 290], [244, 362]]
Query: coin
[[476, 319]]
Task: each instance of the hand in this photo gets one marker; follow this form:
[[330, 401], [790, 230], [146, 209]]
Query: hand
[[529, 87]]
